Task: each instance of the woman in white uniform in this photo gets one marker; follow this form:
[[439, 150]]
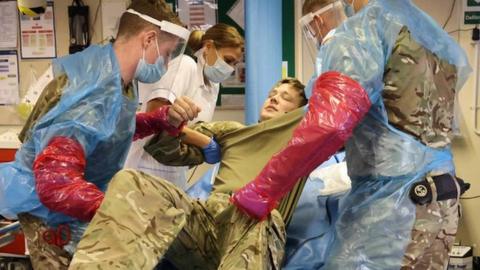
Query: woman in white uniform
[[217, 51]]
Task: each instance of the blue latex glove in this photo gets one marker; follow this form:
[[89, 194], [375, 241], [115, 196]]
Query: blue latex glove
[[211, 152]]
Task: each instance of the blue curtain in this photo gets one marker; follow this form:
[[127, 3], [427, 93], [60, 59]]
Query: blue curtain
[[263, 37]]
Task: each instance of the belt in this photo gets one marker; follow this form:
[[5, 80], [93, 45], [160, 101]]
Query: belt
[[445, 185]]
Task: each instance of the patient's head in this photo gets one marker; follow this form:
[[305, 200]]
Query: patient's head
[[287, 95]]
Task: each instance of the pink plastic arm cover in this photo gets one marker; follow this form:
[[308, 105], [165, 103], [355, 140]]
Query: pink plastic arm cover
[[60, 184], [337, 105], [156, 121]]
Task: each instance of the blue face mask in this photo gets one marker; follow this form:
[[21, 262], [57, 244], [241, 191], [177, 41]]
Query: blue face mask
[[219, 72], [150, 73], [349, 11]]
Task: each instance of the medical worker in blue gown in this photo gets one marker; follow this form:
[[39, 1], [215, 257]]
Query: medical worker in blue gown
[[386, 86], [79, 133]]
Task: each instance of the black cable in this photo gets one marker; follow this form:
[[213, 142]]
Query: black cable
[[470, 198], [92, 28], [194, 170], [461, 30], [450, 15]]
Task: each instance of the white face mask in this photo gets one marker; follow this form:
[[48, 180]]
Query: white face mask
[[219, 72]]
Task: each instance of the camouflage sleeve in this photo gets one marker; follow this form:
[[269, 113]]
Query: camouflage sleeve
[[171, 151], [217, 129]]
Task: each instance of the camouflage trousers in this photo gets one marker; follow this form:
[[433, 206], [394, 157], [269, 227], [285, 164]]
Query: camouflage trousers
[[143, 218], [43, 255], [433, 235]]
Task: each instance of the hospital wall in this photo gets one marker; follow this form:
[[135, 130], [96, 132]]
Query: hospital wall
[[9, 119]]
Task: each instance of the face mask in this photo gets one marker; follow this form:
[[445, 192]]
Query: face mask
[[328, 36], [349, 11], [219, 72], [318, 39], [150, 73]]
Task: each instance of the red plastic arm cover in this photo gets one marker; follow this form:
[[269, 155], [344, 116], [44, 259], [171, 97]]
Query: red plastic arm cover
[[156, 121], [60, 184], [337, 105]]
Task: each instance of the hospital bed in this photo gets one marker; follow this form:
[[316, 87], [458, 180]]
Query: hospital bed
[[12, 247]]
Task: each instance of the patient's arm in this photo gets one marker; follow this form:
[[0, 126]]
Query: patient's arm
[[186, 150], [193, 137]]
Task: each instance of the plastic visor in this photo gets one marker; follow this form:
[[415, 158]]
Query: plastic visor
[[167, 27], [316, 25]]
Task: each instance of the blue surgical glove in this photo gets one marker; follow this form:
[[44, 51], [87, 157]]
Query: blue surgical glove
[[211, 152]]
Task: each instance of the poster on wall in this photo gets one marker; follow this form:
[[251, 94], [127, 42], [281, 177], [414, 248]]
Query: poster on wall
[[8, 24], [9, 93], [197, 14], [37, 35]]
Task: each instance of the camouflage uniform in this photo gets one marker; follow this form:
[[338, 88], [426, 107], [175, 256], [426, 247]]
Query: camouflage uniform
[[43, 255], [211, 234], [419, 92], [432, 236], [419, 98], [145, 218]]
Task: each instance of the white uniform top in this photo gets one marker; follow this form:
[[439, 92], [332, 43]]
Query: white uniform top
[[185, 80]]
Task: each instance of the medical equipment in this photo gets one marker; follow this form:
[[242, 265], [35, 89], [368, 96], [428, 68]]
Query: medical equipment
[[78, 24]]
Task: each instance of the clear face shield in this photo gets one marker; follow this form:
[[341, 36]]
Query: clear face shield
[[172, 41], [173, 38], [317, 26]]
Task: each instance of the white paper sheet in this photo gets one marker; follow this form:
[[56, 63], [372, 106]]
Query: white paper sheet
[[36, 87], [38, 35], [8, 78], [8, 25]]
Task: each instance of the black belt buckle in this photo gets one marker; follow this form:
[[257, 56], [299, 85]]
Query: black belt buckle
[[421, 192]]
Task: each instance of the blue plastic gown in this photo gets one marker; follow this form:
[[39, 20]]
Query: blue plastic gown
[[93, 111], [310, 232], [376, 218]]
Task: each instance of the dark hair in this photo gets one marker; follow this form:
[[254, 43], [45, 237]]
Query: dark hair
[[195, 40], [131, 24], [297, 85], [223, 36]]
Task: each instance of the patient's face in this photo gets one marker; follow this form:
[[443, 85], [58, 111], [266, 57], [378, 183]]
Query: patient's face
[[281, 100]]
